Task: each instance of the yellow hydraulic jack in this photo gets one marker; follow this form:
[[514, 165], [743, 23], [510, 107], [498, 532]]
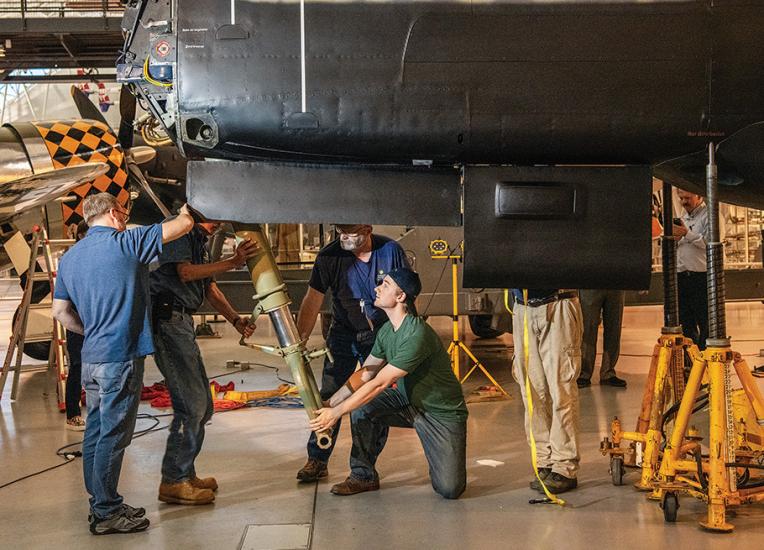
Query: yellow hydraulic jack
[[272, 299], [665, 379], [665, 385], [736, 437]]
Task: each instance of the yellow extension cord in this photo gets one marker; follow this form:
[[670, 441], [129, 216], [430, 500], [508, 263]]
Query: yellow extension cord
[[526, 359]]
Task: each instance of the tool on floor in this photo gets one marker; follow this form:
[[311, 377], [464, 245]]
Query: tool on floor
[[440, 251], [41, 247]]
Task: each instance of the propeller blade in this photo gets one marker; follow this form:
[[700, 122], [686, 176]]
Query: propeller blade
[[86, 107], [127, 117]]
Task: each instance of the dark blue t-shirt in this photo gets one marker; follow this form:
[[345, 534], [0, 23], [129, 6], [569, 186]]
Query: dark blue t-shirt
[[164, 280], [106, 277], [352, 280]]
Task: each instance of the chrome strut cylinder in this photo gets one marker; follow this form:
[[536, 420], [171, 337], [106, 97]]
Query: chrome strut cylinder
[[272, 299]]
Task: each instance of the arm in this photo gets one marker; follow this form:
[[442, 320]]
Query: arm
[[178, 226], [369, 370], [65, 313], [193, 272], [217, 299], [309, 308], [328, 416]]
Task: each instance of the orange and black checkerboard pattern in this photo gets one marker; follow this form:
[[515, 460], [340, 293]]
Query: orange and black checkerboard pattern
[[73, 142]]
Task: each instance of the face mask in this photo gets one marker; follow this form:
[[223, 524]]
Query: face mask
[[352, 243]]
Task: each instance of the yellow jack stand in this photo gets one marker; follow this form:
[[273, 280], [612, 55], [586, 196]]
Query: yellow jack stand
[[456, 347], [736, 435], [735, 440], [665, 386]]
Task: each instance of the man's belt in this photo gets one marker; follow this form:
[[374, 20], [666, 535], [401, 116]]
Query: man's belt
[[183, 309], [536, 302]]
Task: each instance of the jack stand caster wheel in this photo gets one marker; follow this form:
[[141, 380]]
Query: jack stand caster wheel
[[616, 469], [670, 505]]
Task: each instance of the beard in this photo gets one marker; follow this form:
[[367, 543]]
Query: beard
[[353, 243]]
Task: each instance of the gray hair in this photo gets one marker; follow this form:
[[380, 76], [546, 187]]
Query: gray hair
[[96, 205]]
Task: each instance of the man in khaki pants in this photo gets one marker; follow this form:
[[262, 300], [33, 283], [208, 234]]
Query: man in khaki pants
[[554, 323]]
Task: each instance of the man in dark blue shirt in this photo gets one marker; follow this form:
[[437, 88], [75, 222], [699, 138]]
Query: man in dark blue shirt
[[178, 288], [102, 292], [351, 266]]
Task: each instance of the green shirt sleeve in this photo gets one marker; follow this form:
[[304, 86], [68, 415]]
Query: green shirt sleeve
[[411, 351], [378, 350]]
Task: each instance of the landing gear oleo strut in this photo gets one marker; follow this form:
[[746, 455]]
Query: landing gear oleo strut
[[272, 299]]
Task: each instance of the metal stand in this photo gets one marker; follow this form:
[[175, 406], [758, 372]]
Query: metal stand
[[665, 380], [457, 346], [736, 435]]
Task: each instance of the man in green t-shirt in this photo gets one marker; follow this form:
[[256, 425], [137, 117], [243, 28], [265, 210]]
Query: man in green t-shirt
[[428, 397]]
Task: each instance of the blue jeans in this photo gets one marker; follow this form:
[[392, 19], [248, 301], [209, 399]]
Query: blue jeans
[[348, 350], [180, 362], [444, 442], [113, 392]]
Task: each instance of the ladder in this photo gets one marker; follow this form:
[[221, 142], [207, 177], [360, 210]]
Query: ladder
[[19, 336]]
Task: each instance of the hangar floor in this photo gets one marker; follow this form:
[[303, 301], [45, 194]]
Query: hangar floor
[[255, 453]]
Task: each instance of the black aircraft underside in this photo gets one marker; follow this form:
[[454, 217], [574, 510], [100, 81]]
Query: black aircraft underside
[[402, 88]]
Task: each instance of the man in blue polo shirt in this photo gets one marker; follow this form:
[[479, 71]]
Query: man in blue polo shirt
[[102, 291], [351, 266]]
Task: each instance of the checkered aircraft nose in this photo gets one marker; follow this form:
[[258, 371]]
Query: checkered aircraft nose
[[73, 142]]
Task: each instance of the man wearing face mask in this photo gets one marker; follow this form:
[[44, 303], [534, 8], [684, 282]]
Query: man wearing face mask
[[351, 266]]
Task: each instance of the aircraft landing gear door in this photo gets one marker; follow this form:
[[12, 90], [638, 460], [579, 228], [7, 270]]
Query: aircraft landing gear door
[[557, 227]]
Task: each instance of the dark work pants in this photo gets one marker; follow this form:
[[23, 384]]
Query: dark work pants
[[693, 306], [180, 362], [607, 305], [348, 351], [444, 442], [73, 395]]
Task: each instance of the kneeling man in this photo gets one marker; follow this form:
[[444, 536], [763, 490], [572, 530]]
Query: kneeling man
[[428, 397]]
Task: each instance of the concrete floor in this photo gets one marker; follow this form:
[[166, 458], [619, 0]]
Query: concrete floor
[[255, 453]]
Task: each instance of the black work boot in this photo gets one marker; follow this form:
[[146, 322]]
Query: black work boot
[[543, 474], [312, 471], [558, 483]]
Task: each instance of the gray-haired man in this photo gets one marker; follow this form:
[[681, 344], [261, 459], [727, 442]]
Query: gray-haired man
[[102, 292]]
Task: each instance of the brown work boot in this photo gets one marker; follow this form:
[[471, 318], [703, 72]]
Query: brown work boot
[[312, 471], [204, 483], [184, 492], [353, 486]]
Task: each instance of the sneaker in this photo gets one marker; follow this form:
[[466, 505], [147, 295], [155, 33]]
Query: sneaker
[[543, 474], [613, 381], [118, 523], [125, 509], [204, 483], [353, 486], [184, 493], [312, 471], [76, 424], [558, 483]]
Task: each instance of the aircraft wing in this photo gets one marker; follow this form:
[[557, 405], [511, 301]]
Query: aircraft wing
[[34, 191]]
